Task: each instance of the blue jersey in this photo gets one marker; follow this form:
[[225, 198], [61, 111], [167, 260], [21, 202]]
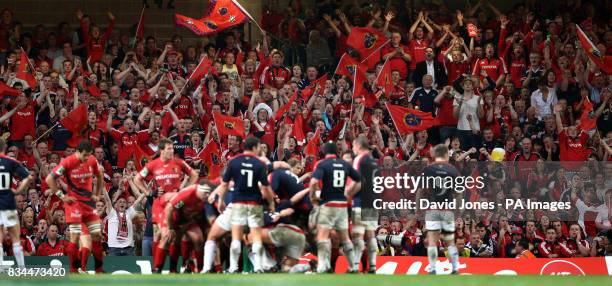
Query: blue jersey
[[246, 171], [439, 191], [285, 184], [9, 167], [368, 169], [333, 173]]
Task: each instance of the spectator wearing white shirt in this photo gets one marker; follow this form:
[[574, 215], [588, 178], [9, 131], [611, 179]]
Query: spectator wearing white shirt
[[120, 226], [543, 99]]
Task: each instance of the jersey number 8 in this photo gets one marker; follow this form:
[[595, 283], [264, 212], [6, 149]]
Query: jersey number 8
[[339, 179]]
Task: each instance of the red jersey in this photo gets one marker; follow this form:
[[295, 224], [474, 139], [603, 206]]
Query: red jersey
[[55, 249], [23, 122], [573, 149], [127, 144], [517, 70], [168, 175], [397, 62], [572, 245], [183, 108], [491, 67], [189, 207], [546, 249], [445, 112], [79, 176], [417, 51], [276, 77], [456, 69], [95, 47], [269, 134]]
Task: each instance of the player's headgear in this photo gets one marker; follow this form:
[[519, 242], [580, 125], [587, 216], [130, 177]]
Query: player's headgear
[[251, 143], [330, 148], [84, 146]]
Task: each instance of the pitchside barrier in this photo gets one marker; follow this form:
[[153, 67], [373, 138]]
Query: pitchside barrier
[[398, 265]]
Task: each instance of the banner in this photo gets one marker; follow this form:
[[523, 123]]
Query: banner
[[413, 265]]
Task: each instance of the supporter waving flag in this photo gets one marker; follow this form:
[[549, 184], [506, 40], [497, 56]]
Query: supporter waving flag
[[76, 120], [22, 70], [222, 14], [407, 120], [310, 89], [346, 66], [211, 157], [366, 40], [228, 125], [602, 61]]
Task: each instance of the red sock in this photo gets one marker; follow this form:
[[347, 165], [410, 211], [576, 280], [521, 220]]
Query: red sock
[[159, 258], [84, 256], [71, 251], [174, 253], [199, 257], [98, 254]]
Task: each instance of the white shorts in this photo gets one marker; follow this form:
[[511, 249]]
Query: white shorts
[[247, 214], [9, 218], [440, 220], [223, 220], [360, 226], [333, 217], [289, 238]]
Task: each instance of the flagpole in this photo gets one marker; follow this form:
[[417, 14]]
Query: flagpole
[[248, 15], [138, 26], [375, 51], [381, 70], [46, 132]]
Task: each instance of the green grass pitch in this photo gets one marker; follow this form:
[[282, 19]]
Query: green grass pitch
[[313, 280]]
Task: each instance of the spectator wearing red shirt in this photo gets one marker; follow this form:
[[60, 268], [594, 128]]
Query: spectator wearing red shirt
[[94, 42], [418, 41], [276, 75], [52, 246], [128, 138], [551, 247], [458, 63], [572, 140], [491, 66], [447, 122], [397, 55]]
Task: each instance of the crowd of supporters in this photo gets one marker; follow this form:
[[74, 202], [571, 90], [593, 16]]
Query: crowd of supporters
[[521, 83]]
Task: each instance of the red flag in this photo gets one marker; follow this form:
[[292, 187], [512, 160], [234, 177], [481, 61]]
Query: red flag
[[587, 120], [228, 125], [298, 129], [22, 70], [335, 133], [140, 26], [211, 157], [7, 90], [201, 70], [346, 66], [281, 111], [94, 90], [309, 90], [359, 80], [602, 61], [223, 14], [365, 40], [371, 98], [141, 158], [76, 120], [312, 148], [408, 120], [384, 78]]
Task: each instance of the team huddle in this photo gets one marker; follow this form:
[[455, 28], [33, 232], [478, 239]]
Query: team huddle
[[253, 193]]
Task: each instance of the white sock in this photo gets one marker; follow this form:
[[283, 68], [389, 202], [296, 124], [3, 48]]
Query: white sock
[[257, 256], [234, 255], [372, 250], [358, 245], [1, 256], [18, 252], [209, 254], [323, 255], [347, 246], [453, 256], [432, 256]]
